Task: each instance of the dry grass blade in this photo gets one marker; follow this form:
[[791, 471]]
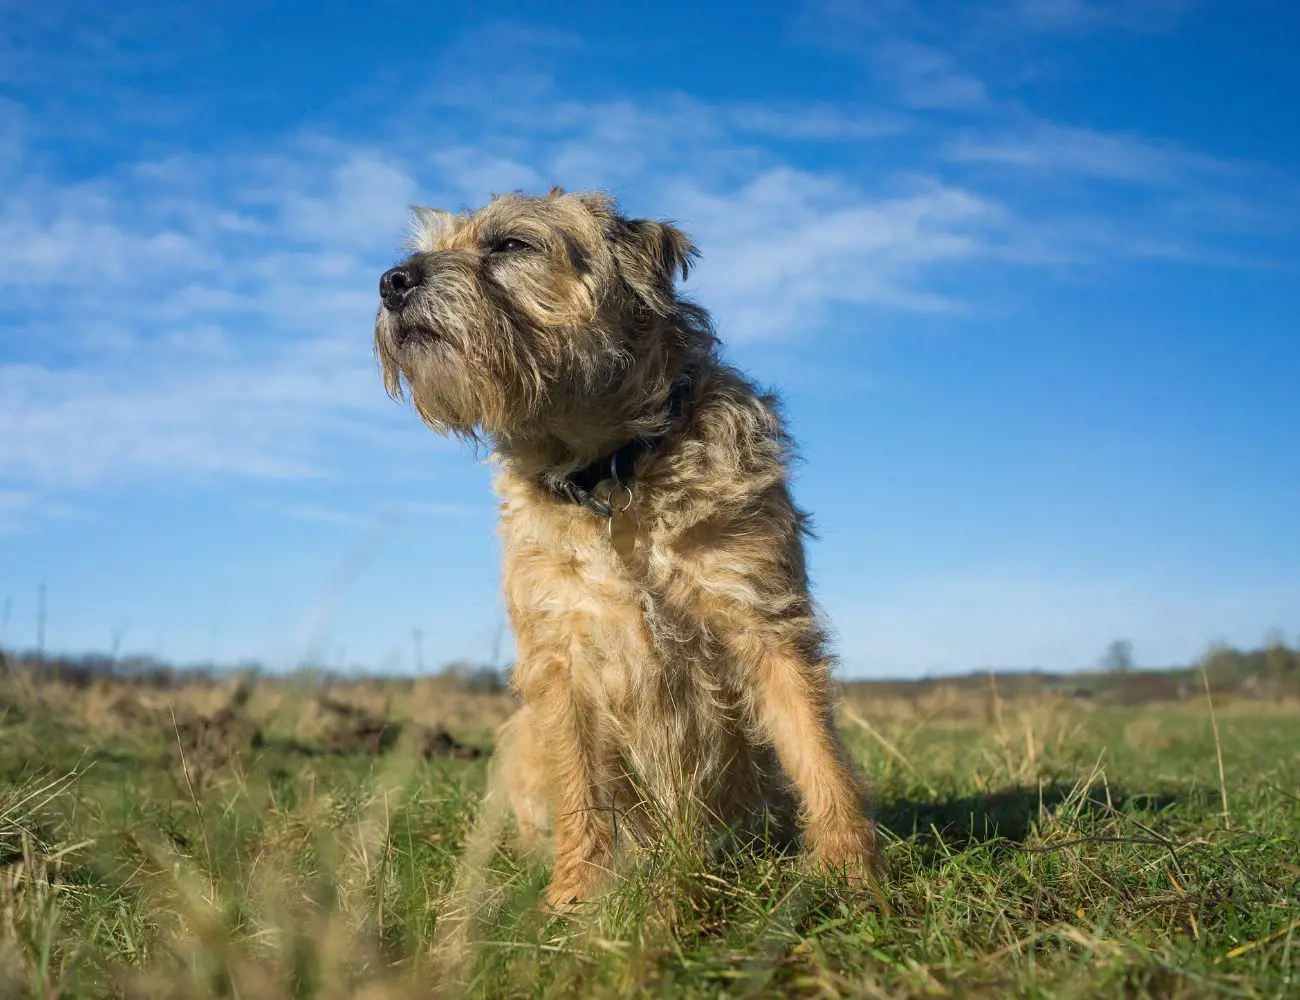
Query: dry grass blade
[[880, 738], [1218, 746], [1250, 946], [19, 803]]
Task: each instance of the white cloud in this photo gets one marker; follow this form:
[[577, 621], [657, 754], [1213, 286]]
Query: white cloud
[[1093, 194], [816, 123], [789, 244], [846, 23], [1065, 150], [14, 504], [13, 128], [162, 322], [19, 510], [262, 416], [471, 170], [360, 204], [1088, 15], [925, 77], [413, 509]]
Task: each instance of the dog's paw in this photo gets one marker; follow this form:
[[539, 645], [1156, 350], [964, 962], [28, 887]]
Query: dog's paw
[[853, 855], [856, 868], [565, 900], [571, 889], [863, 876]]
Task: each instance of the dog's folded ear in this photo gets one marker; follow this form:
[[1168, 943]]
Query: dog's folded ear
[[427, 226], [649, 256]]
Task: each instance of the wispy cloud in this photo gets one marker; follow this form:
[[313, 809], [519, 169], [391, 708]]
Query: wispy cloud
[[1096, 192], [1062, 149], [789, 245], [846, 23], [818, 122], [1090, 15], [320, 514], [22, 510], [925, 77], [162, 322], [268, 415]]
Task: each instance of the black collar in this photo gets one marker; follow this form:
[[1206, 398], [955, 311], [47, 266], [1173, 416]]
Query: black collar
[[578, 487]]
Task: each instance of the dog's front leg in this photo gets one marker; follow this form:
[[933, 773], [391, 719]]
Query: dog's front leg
[[792, 704], [578, 760]]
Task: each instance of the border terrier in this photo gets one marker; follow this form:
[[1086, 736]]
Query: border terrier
[[667, 648]]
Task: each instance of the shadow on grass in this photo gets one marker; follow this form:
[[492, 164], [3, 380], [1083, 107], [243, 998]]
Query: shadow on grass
[[1003, 818]]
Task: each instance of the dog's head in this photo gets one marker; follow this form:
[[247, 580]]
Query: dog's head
[[502, 318]]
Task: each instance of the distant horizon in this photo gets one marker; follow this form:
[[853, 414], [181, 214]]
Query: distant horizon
[[435, 667]]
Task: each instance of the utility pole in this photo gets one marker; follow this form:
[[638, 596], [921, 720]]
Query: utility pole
[[497, 641], [4, 635], [40, 626], [418, 636], [116, 648]]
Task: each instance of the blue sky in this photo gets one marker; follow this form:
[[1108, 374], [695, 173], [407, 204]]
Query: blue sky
[[1026, 272]]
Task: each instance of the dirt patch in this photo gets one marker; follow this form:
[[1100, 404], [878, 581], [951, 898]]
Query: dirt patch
[[369, 736], [215, 740], [437, 742], [206, 742], [358, 730]]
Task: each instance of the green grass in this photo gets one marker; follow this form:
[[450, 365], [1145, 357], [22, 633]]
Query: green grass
[[1049, 850]]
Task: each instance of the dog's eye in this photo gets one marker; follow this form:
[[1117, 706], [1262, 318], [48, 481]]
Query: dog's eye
[[509, 245]]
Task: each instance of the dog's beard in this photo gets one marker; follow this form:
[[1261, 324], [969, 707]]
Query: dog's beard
[[468, 381], [479, 367]]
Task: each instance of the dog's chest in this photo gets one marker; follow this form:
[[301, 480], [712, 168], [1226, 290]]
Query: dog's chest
[[574, 594]]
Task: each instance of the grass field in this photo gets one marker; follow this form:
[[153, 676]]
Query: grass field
[[308, 844]]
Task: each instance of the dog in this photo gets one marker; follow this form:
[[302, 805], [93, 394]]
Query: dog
[[667, 649]]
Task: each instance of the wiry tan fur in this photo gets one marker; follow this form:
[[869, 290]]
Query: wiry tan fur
[[694, 670]]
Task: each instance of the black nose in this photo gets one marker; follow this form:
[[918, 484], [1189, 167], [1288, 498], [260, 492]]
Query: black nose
[[397, 284]]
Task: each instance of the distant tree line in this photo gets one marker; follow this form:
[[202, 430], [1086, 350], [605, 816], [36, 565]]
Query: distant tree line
[[1272, 669], [85, 669], [1275, 663]]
